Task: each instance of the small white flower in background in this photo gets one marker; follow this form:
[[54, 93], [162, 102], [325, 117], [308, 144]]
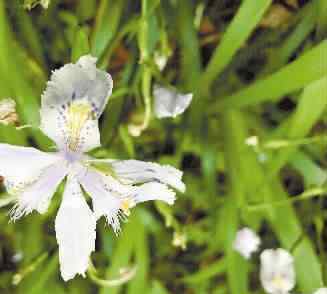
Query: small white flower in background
[[160, 60], [169, 103], [252, 141], [246, 242], [277, 272], [29, 4], [180, 240], [8, 113], [321, 291], [72, 103]]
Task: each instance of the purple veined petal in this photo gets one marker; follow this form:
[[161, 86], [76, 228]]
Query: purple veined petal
[[75, 81], [20, 165], [137, 172], [106, 199], [75, 231], [73, 101], [169, 103], [36, 194]]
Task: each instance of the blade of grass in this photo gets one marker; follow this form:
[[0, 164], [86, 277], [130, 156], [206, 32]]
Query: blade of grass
[[242, 25], [106, 25], [81, 44], [306, 69]]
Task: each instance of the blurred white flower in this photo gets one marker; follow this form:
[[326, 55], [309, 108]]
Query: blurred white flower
[[321, 291], [246, 242], [252, 141], [160, 60], [277, 272], [72, 103], [180, 240], [169, 103]]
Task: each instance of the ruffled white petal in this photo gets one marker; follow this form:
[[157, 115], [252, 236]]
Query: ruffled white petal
[[277, 272], [246, 242], [37, 194], [170, 103], [73, 101], [75, 231], [113, 199], [106, 196], [136, 172]]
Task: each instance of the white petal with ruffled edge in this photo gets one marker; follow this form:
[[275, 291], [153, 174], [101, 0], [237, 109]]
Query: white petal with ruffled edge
[[73, 101], [169, 103], [136, 172], [114, 200], [37, 194], [75, 231], [106, 196]]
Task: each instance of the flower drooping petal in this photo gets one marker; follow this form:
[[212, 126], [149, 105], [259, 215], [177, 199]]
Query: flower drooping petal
[[170, 103], [153, 191], [37, 194], [136, 172], [106, 199], [73, 101], [22, 165], [75, 231], [246, 242], [113, 199], [277, 272]]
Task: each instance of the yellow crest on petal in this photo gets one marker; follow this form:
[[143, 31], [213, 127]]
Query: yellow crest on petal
[[79, 112]]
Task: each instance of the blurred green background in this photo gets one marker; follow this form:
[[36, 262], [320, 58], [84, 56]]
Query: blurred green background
[[256, 68]]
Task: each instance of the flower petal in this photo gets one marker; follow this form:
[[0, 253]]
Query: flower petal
[[136, 172], [21, 165], [170, 103], [73, 101], [75, 231], [114, 199], [106, 199], [153, 191], [37, 194]]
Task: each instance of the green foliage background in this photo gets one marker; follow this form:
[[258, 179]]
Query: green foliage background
[[249, 80]]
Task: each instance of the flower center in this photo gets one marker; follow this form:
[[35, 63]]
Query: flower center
[[279, 282], [78, 114]]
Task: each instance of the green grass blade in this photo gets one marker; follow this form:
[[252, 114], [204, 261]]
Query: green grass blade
[[242, 25], [306, 69]]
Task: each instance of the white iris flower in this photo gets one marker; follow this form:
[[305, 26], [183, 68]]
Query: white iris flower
[[277, 272], [246, 242], [72, 103]]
